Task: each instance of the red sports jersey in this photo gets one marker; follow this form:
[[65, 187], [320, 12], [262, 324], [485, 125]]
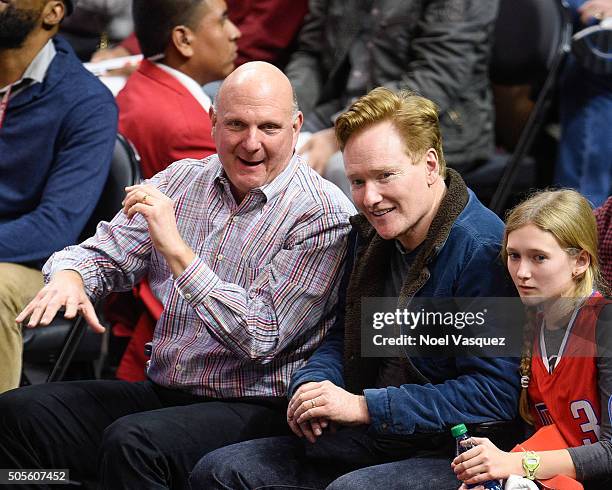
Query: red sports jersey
[[569, 396]]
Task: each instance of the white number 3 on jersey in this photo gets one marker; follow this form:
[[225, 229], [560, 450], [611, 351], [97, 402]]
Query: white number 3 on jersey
[[581, 411]]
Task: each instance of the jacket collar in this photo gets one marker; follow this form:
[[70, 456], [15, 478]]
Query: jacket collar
[[150, 70], [63, 64], [194, 88]]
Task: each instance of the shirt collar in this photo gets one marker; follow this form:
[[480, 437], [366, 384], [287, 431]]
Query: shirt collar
[[36, 70], [189, 83], [282, 180], [40, 64], [269, 190]]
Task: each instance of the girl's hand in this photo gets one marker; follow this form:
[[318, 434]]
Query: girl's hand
[[486, 462]]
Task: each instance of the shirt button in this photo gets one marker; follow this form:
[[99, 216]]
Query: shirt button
[[220, 257], [188, 296], [234, 219], [199, 334], [375, 11], [357, 73], [252, 294], [178, 367], [384, 426]]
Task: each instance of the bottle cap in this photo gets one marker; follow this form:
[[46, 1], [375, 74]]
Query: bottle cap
[[458, 430]]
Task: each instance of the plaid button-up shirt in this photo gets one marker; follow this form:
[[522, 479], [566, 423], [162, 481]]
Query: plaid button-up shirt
[[603, 215], [259, 296]]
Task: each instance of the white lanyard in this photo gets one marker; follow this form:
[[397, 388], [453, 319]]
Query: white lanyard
[[562, 347]]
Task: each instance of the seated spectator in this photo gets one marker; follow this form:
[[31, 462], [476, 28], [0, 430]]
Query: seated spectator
[[245, 250], [269, 29], [584, 161], [439, 49], [550, 245], [57, 133], [422, 233], [162, 109]]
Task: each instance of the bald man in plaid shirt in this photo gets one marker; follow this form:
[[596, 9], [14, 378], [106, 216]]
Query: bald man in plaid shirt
[[245, 249]]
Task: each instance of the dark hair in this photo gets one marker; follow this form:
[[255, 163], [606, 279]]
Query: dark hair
[[155, 19]]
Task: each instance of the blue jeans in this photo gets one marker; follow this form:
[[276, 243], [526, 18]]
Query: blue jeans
[[585, 151], [287, 463]]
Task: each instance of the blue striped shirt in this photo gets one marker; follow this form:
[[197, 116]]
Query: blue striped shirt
[[261, 292]]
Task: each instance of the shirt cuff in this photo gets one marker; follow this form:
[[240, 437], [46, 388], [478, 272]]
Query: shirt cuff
[[379, 409], [196, 282], [88, 273]]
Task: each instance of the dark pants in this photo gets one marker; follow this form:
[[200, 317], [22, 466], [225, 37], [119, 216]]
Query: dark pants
[[127, 435], [336, 463]]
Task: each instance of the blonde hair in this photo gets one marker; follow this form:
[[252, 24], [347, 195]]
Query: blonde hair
[[567, 215], [415, 118]]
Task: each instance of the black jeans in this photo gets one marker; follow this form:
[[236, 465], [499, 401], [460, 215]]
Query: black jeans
[[125, 435]]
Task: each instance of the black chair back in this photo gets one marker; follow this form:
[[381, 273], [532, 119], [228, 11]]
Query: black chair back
[[124, 171], [532, 39], [71, 337], [529, 38]]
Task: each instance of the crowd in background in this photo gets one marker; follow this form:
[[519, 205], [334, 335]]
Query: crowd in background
[[58, 127]]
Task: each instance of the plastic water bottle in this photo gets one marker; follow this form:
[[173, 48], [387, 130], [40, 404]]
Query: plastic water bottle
[[459, 432]]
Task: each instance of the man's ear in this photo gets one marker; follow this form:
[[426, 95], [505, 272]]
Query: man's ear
[[433, 166], [296, 126], [297, 122], [213, 119], [181, 38], [53, 13]]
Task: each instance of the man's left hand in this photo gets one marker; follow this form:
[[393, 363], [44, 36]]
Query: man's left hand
[[324, 400], [158, 210]]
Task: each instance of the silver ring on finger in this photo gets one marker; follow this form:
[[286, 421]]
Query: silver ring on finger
[[313, 403], [144, 198]]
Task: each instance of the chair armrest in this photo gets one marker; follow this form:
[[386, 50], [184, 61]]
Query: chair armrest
[[43, 344]]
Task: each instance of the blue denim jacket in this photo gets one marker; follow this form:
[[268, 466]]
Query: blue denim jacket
[[461, 390]]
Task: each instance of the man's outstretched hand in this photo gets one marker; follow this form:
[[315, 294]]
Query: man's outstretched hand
[[65, 290]]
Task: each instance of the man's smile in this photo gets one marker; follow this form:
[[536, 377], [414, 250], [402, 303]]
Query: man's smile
[[381, 212], [250, 163]]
